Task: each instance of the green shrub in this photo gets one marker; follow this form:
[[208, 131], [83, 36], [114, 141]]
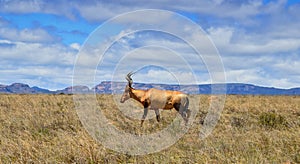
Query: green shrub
[[272, 120]]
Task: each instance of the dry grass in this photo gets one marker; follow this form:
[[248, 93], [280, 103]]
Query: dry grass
[[252, 129]]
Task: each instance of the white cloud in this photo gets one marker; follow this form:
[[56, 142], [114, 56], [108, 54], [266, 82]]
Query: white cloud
[[244, 75], [75, 46], [224, 37], [37, 54], [165, 77], [285, 67], [155, 18], [258, 59], [39, 6], [26, 35], [20, 6], [108, 9], [52, 78], [117, 65], [105, 10], [44, 65], [271, 70]]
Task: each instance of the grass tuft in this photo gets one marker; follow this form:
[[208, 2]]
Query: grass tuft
[[272, 120]]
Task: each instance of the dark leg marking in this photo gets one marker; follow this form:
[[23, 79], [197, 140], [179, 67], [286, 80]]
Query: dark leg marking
[[144, 116], [157, 115]]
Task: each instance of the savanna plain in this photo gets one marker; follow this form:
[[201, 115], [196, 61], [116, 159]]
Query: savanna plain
[[251, 129]]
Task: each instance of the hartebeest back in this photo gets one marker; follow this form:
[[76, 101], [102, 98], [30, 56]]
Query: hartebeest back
[[155, 99]]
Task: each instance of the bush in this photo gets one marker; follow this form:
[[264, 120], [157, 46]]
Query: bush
[[272, 120]]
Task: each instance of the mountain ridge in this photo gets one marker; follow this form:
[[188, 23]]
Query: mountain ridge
[[108, 87]]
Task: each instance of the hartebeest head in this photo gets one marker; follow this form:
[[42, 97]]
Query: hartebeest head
[[126, 94]]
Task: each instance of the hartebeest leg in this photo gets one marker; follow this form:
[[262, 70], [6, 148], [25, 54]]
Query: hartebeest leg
[[144, 116], [157, 115]]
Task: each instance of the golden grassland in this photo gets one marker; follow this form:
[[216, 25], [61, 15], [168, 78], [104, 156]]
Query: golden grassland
[[252, 129]]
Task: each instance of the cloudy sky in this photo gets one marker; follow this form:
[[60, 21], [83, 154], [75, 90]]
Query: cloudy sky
[[258, 41]]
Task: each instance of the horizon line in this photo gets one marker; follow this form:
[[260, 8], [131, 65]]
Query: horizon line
[[90, 88]]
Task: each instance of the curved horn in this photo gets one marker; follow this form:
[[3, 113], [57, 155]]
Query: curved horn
[[129, 79]]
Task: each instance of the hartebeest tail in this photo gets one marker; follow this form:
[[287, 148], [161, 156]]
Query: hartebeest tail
[[155, 99]]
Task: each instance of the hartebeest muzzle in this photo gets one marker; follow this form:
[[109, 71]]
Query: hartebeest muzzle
[[126, 94], [122, 100]]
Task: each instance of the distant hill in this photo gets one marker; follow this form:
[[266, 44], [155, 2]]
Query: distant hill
[[108, 87], [20, 88], [74, 89], [231, 88]]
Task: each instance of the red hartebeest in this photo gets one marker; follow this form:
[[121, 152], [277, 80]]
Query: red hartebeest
[[155, 99]]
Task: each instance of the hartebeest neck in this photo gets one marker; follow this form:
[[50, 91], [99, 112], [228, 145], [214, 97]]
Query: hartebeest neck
[[137, 94]]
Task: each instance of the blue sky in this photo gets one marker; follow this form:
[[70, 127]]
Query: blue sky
[[258, 40]]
